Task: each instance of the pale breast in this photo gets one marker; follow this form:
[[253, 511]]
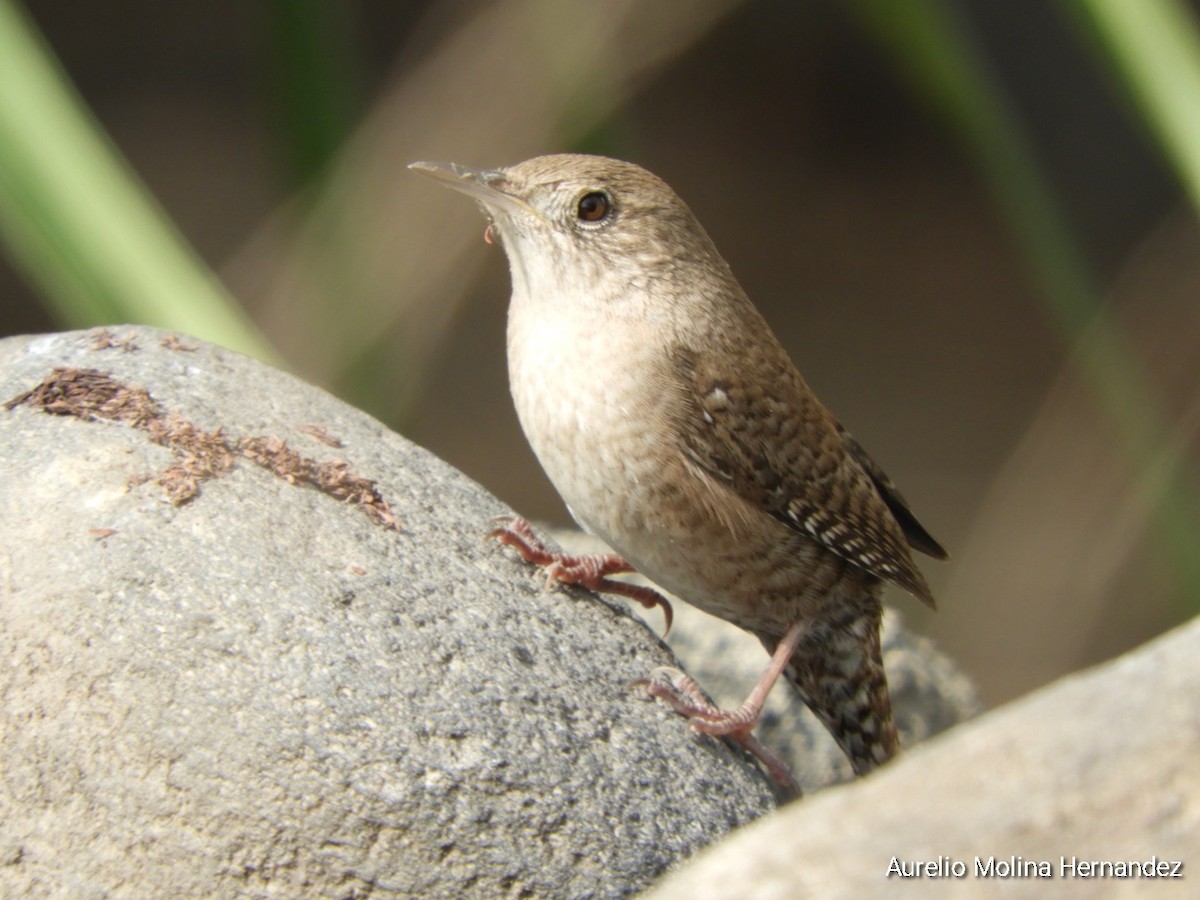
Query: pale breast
[[599, 431], [586, 422]]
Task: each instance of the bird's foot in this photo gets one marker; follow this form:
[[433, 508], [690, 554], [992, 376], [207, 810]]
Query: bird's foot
[[681, 692], [589, 571]]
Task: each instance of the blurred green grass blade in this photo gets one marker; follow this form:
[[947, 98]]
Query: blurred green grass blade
[[79, 223], [313, 82], [932, 46], [1153, 47]]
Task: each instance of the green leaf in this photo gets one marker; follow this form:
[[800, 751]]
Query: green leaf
[[78, 222]]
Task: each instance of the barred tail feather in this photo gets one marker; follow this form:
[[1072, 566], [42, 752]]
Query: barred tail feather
[[838, 671]]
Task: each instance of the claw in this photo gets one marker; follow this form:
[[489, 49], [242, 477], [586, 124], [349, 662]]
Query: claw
[[586, 571], [684, 696], [681, 692]]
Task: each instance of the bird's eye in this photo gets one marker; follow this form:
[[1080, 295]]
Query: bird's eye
[[594, 206]]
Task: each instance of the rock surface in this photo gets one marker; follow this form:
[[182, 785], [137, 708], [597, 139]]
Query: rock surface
[[255, 645], [1102, 766]]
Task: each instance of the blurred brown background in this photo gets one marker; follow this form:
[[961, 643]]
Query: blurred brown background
[[849, 211]]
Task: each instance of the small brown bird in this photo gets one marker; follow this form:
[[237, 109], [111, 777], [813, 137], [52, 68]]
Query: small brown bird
[[676, 428]]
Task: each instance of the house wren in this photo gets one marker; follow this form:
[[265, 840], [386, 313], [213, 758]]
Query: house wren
[[677, 429]]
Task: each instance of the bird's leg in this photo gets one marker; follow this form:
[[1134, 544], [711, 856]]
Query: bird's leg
[[587, 571], [685, 697]]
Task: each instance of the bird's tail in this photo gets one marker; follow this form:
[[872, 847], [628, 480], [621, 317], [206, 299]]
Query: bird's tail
[[838, 670]]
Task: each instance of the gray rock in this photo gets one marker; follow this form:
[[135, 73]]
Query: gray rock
[[256, 645], [1100, 767], [265, 689]]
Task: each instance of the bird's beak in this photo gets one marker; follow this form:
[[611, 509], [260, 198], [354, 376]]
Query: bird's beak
[[486, 186]]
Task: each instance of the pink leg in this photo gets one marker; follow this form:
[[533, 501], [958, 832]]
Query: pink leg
[[685, 697], [586, 571]]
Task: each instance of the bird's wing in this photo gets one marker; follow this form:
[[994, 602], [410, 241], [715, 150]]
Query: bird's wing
[[914, 532], [772, 442]]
